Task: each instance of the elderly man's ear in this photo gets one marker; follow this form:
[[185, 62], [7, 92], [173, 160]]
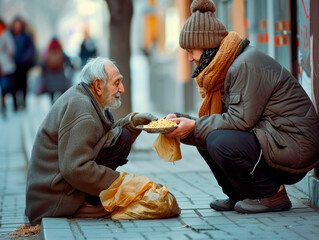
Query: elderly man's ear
[[98, 86]]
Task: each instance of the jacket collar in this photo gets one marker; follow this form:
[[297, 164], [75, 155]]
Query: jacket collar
[[244, 43], [95, 103]]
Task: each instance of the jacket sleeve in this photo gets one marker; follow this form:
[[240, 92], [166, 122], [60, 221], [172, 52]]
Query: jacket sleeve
[[179, 115], [126, 122], [78, 147], [248, 90]]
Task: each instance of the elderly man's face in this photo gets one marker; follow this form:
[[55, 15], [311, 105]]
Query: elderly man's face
[[114, 87]]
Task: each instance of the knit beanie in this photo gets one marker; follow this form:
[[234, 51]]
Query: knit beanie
[[202, 30]]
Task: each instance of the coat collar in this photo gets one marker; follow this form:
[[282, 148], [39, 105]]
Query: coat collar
[[244, 43], [95, 104]]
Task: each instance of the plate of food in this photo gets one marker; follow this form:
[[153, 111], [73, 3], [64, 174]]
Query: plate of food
[[160, 126]]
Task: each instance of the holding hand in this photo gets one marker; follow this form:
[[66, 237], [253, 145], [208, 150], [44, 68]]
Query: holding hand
[[143, 119], [185, 127], [170, 116]]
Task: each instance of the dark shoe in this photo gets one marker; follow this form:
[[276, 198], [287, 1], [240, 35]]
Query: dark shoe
[[276, 203], [90, 211], [223, 205]]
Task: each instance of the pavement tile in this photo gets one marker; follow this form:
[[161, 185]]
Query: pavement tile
[[148, 223], [208, 213], [219, 221], [49, 233], [194, 221], [101, 237], [159, 229], [127, 225], [173, 223], [171, 234], [140, 229]]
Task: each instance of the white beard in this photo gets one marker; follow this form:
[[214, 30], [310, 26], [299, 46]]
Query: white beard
[[115, 101]]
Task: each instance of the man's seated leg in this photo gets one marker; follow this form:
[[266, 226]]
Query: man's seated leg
[[115, 156], [87, 211], [111, 157]]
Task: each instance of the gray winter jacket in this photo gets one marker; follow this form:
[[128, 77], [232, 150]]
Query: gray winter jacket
[[62, 170], [262, 97]]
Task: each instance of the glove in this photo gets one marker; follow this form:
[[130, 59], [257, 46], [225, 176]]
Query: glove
[[143, 119]]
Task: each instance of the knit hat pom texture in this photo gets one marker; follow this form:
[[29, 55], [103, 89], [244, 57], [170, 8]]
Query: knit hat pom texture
[[202, 6]]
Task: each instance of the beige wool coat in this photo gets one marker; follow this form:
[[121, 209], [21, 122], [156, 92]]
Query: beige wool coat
[[62, 169], [261, 96]]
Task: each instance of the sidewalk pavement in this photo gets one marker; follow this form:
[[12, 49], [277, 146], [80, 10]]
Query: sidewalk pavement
[[190, 180]]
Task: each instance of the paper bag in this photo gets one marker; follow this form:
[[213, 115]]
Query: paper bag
[[167, 148]]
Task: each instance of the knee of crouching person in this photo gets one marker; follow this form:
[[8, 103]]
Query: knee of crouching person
[[214, 140]]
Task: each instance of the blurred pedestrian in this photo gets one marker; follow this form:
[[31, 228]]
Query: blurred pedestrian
[[7, 64], [79, 146], [88, 48], [24, 58], [257, 129], [54, 78]]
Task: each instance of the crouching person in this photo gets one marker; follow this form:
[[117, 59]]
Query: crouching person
[[79, 146], [256, 129]]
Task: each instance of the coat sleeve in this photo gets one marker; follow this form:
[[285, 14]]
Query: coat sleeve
[[78, 147], [247, 98], [126, 122]]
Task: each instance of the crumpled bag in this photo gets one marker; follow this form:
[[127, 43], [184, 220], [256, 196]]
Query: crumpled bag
[[137, 197], [167, 148]]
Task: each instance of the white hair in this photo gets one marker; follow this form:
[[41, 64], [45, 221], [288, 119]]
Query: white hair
[[95, 69]]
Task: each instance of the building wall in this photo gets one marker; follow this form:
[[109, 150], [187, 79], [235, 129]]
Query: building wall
[[314, 43]]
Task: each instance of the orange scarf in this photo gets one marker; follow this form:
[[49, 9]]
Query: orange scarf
[[211, 79]]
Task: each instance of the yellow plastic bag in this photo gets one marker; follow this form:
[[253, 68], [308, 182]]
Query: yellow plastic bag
[[137, 197], [167, 148]]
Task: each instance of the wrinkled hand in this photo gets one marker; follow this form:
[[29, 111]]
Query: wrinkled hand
[[143, 119]]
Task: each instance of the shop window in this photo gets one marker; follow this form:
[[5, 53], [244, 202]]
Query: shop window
[[268, 25]]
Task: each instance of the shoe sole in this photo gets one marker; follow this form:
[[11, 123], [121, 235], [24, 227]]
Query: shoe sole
[[279, 208]]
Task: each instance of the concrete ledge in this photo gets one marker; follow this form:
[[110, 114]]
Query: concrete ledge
[[55, 228], [303, 184], [310, 186], [314, 191]]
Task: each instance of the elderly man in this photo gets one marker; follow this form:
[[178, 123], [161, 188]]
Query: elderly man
[[79, 146]]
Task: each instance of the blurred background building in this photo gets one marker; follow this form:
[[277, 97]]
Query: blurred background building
[[279, 28], [159, 73], [159, 68]]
